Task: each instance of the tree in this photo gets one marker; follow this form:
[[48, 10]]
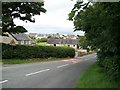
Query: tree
[[82, 42], [41, 40], [22, 10], [101, 24]]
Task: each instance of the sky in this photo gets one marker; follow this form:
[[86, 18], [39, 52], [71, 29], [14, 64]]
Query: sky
[[54, 20]]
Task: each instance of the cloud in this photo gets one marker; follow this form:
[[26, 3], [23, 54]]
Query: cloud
[[54, 20]]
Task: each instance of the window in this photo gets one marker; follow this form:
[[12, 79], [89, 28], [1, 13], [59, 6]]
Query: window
[[22, 42], [29, 42]]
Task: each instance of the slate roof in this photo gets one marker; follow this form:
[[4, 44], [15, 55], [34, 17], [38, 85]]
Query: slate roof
[[63, 41], [21, 37]]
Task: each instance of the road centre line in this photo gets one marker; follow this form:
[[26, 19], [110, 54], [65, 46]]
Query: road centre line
[[62, 65], [37, 72], [3, 81]]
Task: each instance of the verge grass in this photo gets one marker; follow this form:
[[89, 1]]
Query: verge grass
[[95, 77], [22, 61]]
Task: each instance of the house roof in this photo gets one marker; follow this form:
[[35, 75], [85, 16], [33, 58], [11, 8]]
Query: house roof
[[21, 37], [63, 41]]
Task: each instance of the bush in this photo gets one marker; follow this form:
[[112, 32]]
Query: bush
[[26, 52], [111, 66], [110, 63]]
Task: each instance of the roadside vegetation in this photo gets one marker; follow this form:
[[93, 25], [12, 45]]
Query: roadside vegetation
[[19, 61], [95, 77], [23, 54], [101, 23], [28, 52]]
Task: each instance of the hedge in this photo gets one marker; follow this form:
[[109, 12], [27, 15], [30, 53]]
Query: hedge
[[110, 63], [26, 52]]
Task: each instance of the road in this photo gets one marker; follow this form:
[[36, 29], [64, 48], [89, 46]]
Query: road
[[52, 74]]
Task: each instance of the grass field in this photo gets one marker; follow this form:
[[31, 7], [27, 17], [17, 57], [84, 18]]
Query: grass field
[[94, 77], [20, 61], [41, 43]]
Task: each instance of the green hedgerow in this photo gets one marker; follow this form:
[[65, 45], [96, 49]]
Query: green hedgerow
[[24, 52]]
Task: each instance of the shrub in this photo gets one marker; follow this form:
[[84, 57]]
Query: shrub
[[25, 52], [110, 63], [111, 66]]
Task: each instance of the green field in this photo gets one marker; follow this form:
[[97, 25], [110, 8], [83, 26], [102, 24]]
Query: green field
[[94, 77], [41, 44]]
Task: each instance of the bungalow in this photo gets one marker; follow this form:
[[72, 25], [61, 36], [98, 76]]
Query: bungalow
[[13, 39], [63, 42]]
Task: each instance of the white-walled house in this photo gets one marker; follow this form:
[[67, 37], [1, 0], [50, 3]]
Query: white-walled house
[[14, 39], [63, 42]]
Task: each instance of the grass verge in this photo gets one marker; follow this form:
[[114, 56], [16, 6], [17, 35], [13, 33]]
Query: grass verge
[[94, 77], [21, 61]]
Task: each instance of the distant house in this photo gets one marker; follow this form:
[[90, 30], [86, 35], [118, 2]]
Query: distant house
[[33, 34], [14, 39], [70, 36], [39, 36], [63, 42]]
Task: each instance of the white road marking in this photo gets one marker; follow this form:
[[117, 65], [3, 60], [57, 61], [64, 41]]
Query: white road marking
[[62, 65], [3, 81], [37, 72]]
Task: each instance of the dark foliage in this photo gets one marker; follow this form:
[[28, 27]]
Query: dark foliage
[[101, 24]]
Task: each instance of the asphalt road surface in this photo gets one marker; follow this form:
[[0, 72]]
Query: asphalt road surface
[[52, 74]]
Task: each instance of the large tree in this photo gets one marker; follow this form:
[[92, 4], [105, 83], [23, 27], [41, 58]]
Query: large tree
[[21, 10], [101, 23]]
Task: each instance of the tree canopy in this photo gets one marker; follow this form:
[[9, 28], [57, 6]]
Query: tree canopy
[[21, 10], [82, 42], [101, 23]]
